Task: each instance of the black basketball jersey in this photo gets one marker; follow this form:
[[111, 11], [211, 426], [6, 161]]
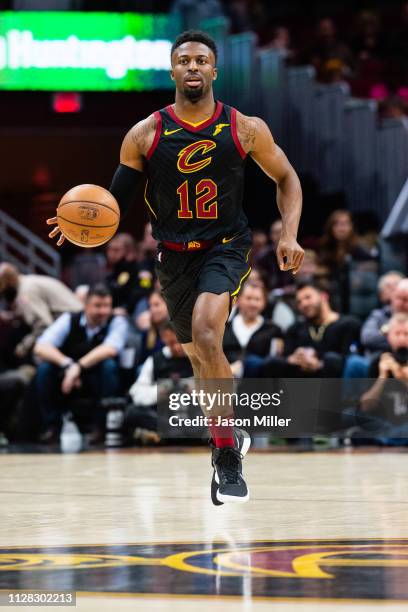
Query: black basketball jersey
[[194, 189]]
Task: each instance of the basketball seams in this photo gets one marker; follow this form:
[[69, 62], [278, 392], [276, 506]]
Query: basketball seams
[[86, 225], [88, 202]]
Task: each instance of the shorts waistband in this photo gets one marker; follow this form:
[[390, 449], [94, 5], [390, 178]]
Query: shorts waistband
[[192, 245], [197, 245]]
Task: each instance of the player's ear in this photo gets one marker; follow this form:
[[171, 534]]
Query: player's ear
[[215, 74], [172, 74]]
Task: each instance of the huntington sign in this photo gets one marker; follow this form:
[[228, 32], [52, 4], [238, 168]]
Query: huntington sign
[[85, 51]]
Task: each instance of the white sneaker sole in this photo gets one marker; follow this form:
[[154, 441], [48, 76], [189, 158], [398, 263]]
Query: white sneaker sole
[[229, 499]]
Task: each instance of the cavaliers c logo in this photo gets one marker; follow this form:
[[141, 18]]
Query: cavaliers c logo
[[184, 163]]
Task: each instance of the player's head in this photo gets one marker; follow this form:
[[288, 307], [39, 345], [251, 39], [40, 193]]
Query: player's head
[[193, 64]]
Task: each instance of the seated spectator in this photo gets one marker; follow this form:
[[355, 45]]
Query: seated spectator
[[386, 402], [79, 352], [268, 263], [280, 40], [318, 344], [171, 363], [38, 299], [339, 250], [330, 56], [259, 246], [373, 333], [248, 337], [387, 284], [357, 365], [149, 322], [15, 373], [127, 280]]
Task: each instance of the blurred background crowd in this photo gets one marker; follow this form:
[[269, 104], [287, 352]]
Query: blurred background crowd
[[363, 43], [92, 342], [97, 345]]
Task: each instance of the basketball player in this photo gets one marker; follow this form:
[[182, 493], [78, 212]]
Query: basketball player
[[191, 157]]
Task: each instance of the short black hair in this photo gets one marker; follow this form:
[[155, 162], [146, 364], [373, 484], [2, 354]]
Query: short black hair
[[195, 36], [318, 284], [98, 290]]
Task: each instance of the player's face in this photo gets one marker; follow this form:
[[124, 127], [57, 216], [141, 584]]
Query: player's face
[[193, 70], [309, 303], [98, 310]]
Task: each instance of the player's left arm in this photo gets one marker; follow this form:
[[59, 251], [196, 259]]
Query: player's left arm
[[257, 140]]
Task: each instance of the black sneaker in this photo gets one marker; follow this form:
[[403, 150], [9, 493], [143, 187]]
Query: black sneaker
[[242, 444], [227, 476]]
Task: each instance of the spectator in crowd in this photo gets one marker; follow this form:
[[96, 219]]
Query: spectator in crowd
[[268, 263], [387, 284], [15, 373], [246, 15], [170, 363], [394, 107], [80, 351], [373, 333], [339, 249], [318, 344], [248, 337], [259, 246], [281, 41], [386, 402], [368, 43], [149, 322], [38, 299], [330, 56], [127, 280]]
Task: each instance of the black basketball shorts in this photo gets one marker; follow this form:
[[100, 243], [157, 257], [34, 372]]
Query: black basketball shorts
[[183, 275]]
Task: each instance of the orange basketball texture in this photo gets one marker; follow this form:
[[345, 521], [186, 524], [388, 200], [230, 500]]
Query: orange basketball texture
[[88, 215]]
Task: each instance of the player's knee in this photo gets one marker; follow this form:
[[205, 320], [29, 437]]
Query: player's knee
[[206, 339]]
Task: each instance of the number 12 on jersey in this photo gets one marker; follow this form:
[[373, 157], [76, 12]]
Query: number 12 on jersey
[[206, 205]]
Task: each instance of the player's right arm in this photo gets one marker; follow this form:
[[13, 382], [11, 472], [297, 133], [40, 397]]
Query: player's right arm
[[130, 172]]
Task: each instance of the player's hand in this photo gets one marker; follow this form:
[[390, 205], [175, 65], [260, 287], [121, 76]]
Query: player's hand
[[290, 254], [55, 231]]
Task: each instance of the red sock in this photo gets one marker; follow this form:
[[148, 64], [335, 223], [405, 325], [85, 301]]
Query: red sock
[[223, 435]]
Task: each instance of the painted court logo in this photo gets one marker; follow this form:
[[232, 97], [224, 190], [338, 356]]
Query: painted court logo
[[371, 570]]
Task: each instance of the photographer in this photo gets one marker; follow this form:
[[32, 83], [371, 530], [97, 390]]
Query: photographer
[[387, 400]]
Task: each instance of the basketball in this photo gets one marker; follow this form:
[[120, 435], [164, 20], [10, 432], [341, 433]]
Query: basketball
[[88, 215]]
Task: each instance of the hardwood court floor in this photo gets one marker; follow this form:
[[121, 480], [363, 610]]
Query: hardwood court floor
[[137, 530]]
